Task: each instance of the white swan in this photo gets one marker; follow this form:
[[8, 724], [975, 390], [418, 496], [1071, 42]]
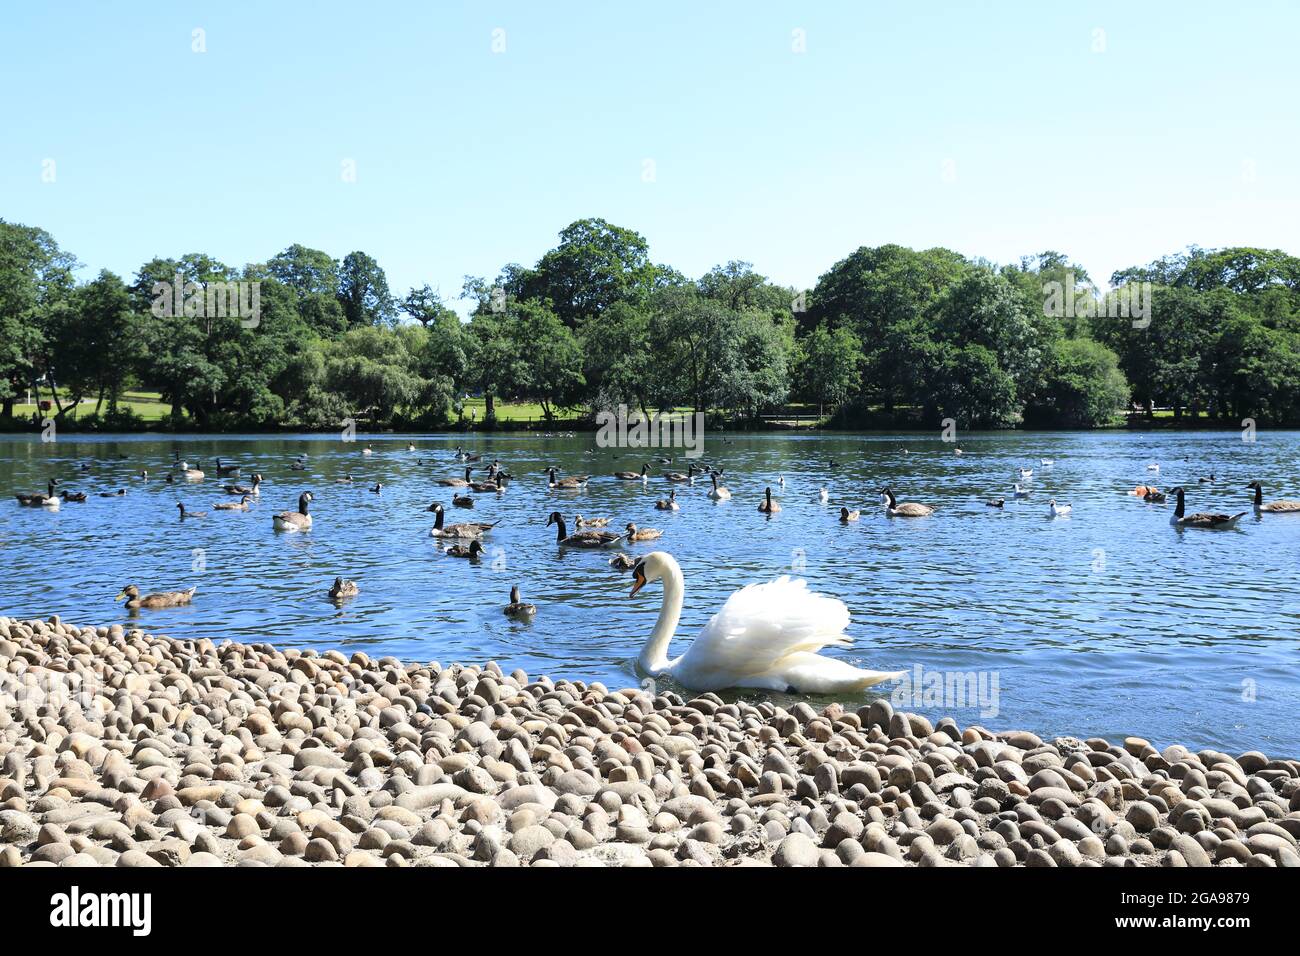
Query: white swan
[[766, 636]]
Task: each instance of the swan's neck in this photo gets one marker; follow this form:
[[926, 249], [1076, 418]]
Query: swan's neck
[[654, 656]]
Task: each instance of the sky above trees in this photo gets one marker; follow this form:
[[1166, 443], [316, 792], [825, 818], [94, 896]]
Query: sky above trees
[[444, 148]]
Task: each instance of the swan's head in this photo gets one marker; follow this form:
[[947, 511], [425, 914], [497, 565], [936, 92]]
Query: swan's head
[[650, 568]]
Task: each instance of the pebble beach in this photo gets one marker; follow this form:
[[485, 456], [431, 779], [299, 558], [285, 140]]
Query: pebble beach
[[122, 748]]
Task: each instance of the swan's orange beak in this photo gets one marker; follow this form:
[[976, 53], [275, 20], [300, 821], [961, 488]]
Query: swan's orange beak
[[638, 582]]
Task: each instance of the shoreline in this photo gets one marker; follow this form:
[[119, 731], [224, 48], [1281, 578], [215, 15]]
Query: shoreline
[[122, 748]]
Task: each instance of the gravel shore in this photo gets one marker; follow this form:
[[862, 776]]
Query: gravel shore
[[120, 748]]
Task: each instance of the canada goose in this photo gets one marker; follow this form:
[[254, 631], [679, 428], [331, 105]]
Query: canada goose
[[767, 505], [161, 599], [621, 562], [240, 505], [489, 485], [456, 482], [345, 479], [298, 464], [1201, 519], [299, 520], [689, 477], [641, 475], [73, 496], [669, 503], [39, 500], [1020, 492], [580, 539], [642, 534], [254, 489], [846, 515], [462, 501], [231, 471], [518, 608], [574, 483], [824, 495], [342, 589], [189, 514], [379, 487], [780, 480], [996, 502], [144, 474], [465, 456], [717, 492], [170, 479], [462, 550], [1283, 506], [1208, 480], [908, 509], [582, 522], [114, 494], [1058, 511], [192, 474], [464, 529]]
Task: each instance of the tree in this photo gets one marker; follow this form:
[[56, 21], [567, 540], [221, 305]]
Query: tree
[[830, 366], [363, 292], [1083, 387], [550, 361], [35, 282], [595, 265], [426, 306]]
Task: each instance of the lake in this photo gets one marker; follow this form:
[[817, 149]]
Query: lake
[[1107, 623]]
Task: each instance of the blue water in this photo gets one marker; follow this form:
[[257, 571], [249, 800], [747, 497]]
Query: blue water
[[1106, 623]]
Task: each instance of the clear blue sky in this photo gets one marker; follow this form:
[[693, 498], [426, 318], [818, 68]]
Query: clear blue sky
[[991, 128]]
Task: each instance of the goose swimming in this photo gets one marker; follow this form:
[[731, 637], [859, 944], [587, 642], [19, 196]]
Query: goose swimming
[[1202, 519]]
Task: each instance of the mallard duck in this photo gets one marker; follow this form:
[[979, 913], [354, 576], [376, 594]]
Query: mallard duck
[[580, 539], [1283, 506], [621, 562], [471, 550], [717, 492], [73, 496], [582, 522], [767, 505], [161, 599], [846, 515], [642, 475], [1058, 511], [456, 482], [254, 489], [669, 503], [465, 529], [1202, 519], [573, 483], [231, 471], [39, 500], [342, 589], [518, 608], [908, 509], [189, 514], [642, 534], [299, 520], [462, 501], [240, 505]]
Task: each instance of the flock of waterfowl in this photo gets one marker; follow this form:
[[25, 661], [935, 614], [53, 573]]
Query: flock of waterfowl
[[766, 635]]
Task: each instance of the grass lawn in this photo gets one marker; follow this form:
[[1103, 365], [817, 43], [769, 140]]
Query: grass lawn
[[145, 404]]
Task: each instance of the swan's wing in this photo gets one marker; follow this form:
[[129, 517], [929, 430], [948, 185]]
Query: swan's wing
[[762, 623]]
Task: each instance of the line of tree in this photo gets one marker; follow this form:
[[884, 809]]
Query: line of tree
[[888, 336]]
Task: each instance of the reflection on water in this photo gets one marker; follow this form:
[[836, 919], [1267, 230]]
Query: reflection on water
[[1108, 622]]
